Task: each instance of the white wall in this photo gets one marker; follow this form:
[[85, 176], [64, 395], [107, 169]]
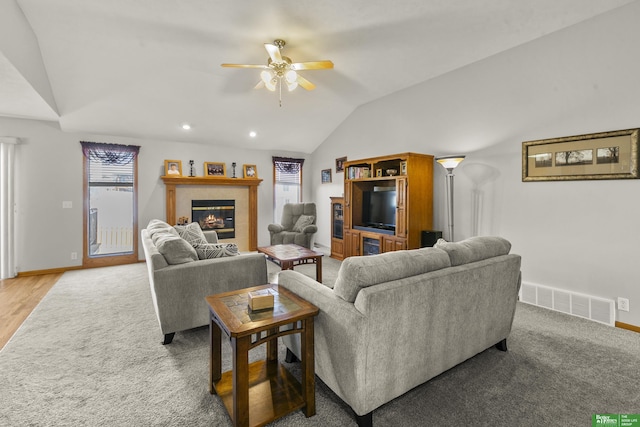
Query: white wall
[[578, 235], [49, 171]]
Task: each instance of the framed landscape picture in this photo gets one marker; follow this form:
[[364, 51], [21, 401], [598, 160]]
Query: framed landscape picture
[[215, 169], [606, 155], [172, 168]]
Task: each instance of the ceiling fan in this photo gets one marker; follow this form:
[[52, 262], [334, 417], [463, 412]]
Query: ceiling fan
[[280, 70]]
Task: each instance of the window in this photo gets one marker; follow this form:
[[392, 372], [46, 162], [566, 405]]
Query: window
[[287, 183], [110, 194]]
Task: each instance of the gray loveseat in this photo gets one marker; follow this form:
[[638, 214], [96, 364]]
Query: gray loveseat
[[395, 320], [179, 281]]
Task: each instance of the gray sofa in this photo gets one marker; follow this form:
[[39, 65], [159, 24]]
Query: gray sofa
[[179, 281], [395, 320]]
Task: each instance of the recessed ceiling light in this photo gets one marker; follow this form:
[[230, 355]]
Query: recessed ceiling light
[[186, 126], [252, 134]]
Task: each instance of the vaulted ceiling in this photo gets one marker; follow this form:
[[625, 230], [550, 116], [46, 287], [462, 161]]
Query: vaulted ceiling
[[142, 68]]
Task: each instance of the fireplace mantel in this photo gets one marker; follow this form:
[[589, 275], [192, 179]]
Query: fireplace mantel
[[173, 183]]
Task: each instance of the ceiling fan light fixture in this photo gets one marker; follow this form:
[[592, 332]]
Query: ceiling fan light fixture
[[292, 77], [292, 86], [267, 76], [271, 85]]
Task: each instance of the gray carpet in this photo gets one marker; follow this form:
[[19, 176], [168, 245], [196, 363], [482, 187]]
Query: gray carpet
[[90, 355]]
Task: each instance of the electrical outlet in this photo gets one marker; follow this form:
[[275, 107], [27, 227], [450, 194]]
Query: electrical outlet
[[67, 204], [623, 304], [74, 255]]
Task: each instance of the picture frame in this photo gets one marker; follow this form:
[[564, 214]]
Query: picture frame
[[340, 164], [326, 176], [604, 155], [172, 168], [250, 171], [215, 170], [378, 173], [403, 167]]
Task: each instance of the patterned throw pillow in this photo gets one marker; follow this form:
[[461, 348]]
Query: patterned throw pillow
[[302, 222], [216, 250], [192, 233]]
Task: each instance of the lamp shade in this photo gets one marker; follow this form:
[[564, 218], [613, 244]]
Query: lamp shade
[[450, 162]]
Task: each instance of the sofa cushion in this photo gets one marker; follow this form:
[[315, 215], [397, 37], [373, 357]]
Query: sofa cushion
[[474, 249], [192, 233], [174, 249], [157, 226], [302, 222], [362, 271], [216, 250]]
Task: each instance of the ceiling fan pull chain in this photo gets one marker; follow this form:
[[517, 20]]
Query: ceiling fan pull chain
[[280, 89]]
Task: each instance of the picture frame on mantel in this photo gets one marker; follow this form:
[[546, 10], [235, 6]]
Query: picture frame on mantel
[[172, 168], [250, 171], [215, 170], [605, 155]]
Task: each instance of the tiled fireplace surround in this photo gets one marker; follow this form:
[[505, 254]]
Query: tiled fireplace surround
[[180, 191]]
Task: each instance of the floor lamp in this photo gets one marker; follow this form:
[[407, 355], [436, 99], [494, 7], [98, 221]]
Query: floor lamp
[[450, 163]]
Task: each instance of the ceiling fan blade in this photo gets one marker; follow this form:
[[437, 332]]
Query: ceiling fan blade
[[244, 66], [274, 52], [306, 84], [311, 65], [260, 85]]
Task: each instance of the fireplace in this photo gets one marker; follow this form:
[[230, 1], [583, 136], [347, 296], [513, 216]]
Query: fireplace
[[218, 215]]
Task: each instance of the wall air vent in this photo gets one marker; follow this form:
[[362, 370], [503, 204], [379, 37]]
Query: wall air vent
[[589, 307]]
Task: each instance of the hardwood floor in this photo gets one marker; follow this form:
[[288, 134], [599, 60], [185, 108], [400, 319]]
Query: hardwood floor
[[18, 298]]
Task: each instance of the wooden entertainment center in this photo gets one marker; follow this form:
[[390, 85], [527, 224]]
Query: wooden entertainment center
[[388, 201]]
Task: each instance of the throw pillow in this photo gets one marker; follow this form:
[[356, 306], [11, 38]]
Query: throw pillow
[[302, 222], [216, 250], [192, 233], [175, 249], [156, 226]]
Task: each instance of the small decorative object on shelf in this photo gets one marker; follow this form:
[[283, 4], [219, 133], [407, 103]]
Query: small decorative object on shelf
[[233, 165], [191, 168], [392, 172]]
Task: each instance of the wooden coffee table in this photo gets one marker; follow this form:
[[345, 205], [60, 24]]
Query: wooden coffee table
[[256, 394], [289, 255]]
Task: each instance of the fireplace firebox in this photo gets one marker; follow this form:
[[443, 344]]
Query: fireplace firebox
[[217, 215]]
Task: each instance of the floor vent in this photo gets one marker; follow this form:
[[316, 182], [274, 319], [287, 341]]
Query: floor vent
[[586, 306]]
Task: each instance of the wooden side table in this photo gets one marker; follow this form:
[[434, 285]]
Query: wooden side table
[[256, 394], [289, 255]]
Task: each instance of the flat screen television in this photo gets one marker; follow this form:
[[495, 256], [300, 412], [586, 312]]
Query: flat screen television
[[379, 208]]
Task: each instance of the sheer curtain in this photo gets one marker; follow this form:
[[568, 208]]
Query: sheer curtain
[[7, 207]]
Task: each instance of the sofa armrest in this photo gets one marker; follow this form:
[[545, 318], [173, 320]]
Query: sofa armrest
[[275, 228], [341, 334]]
